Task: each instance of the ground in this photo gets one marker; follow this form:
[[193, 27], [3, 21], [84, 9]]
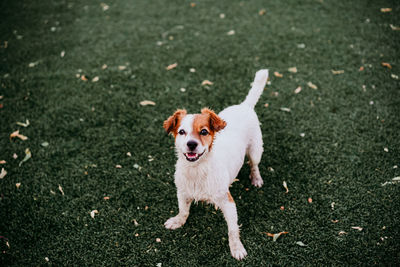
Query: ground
[[79, 70]]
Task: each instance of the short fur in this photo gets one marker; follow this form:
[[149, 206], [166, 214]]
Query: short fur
[[211, 149]]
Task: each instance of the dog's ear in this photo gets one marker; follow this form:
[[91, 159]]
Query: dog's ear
[[172, 123], [216, 123]]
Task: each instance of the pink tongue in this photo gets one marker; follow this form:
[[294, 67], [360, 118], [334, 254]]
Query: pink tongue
[[191, 155]]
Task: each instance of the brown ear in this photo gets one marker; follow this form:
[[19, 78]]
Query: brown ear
[[216, 122], [172, 123]]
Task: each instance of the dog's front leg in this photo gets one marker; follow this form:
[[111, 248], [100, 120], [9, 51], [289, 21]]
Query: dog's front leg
[[228, 207], [180, 219]]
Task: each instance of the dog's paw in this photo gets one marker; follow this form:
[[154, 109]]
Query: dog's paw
[[256, 180], [174, 222], [237, 250]]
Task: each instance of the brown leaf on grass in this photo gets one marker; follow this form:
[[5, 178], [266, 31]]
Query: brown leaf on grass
[[293, 70], [342, 233], [23, 124], [118, 166], [361, 68], [17, 134], [106, 198], [122, 67], [337, 72], [285, 186], [83, 78], [3, 162], [172, 66], [356, 228], [93, 212], [18, 185], [335, 221], [3, 173], [386, 9], [275, 236], [1, 105], [309, 200], [262, 12], [104, 66], [297, 90], [192, 4], [394, 28], [277, 74], [61, 189], [207, 82], [147, 103], [95, 79], [28, 155], [282, 208], [387, 65]]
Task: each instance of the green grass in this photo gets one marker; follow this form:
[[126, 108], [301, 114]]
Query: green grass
[[90, 126]]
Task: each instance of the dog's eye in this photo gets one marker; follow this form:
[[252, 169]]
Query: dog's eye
[[182, 132], [203, 132]]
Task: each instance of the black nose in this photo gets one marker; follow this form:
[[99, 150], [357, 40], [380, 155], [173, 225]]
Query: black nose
[[192, 145]]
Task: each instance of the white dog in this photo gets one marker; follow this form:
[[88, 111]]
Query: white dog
[[211, 150]]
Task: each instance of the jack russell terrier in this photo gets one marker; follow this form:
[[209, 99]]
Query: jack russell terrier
[[211, 149]]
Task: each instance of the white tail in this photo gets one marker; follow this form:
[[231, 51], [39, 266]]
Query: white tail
[[258, 87]]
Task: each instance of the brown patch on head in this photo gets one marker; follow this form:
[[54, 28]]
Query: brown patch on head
[[210, 122], [230, 198], [172, 123]]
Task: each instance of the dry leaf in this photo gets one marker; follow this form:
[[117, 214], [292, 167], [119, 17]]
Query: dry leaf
[[297, 90], [394, 76], [118, 166], [222, 16], [301, 244], [361, 68], [147, 103], [28, 155], [121, 67], [93, 212], [266, 105], [333, 205], [172, 66], [104, 67], [83, 78], [15, 156], [16, 134], [336, 72], [286, 109], [293, 70], [342, 233], [285, 186], [207, 82], [356, 228], [277, 74], [282, 208], [262, 12], [311, 85], [44, 144], [302, 134], [3, 173], [23, 124], [62, 54], [386, 9], [95, 79], [61, 189], [158, 240], [231, 32], [395, 28], [276, 236], [335, 221], [18, 185], [3, 162], [387, 65], [129, 154], [310, 200], [192, 4], [135, 222], [386, 149]]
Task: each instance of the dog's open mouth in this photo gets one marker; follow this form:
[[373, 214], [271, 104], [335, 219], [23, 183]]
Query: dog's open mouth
[[191, 156]]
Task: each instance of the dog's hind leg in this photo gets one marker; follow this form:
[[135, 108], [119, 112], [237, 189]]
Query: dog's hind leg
[[254, 153]]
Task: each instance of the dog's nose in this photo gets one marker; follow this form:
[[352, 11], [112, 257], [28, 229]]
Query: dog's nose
[[192, 145]]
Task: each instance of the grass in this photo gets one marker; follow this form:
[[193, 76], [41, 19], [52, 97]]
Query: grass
[[90, 127]]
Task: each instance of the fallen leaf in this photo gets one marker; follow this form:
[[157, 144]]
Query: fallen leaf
[[47, 259], [394, 76], [118, 166], [192, 4], [222, 16], [93, 212], [386, 9], [361, 68], [335, 221], [28, 155], [62, 54], [18, 185], [60, 189], [83, 78], [292, 70], [44, 144], [285, 186], [276, 236], [310, 200], [342, 233], [33, 64], [302, 134], [394, 28], [386, 149], [356, 228], [312, 86], [147, 103], [105, 6], [129, 154], [158, 240], [387, 65], [266, 105], [17, 134], [301, 244], [104, 67], [333, 205], [282, 208], [262, 12], [23, 124], [121, 67], [3, 173], [337, 72], [231, 32], [15, 156], [172, 66], [207, 82], [396, 179], [135, 222], [297, 90], [277, 74], [95, 79], [285, 109], [3, 162]]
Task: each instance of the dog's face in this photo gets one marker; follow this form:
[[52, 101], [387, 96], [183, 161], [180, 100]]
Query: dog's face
[[194, 133]]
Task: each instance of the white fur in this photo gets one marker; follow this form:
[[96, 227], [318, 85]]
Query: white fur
[[208, 179]]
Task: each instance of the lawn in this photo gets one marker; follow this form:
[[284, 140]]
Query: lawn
[[99, 183]]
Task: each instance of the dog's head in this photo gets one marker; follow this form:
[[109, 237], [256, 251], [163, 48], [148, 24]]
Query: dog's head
[[194, 133]]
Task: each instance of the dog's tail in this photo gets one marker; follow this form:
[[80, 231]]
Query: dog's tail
[[257, 89]]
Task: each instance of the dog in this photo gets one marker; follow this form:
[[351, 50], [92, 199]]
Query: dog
[[211, 149]]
